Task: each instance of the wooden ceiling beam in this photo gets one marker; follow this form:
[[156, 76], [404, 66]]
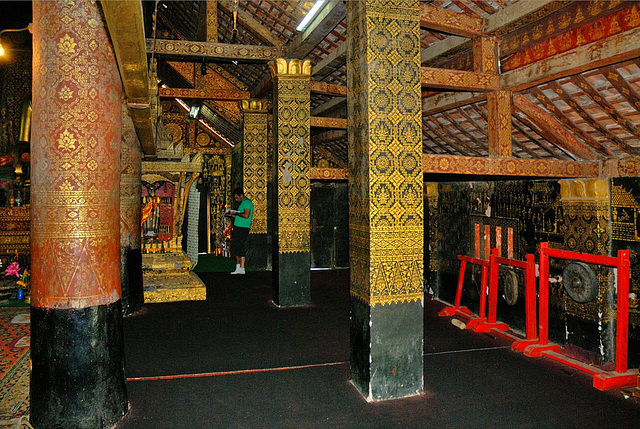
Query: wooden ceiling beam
[[435, 18], [602, 53], [328, 89], [331, 62], [211, 94], [251, 24], [328, 137], [210, 50], [322, 122], [318, 173], [505, 17], [126, 29], [323, 24], [459, 80], [551, 129], [331, 104], [524, 167], [543, 144]]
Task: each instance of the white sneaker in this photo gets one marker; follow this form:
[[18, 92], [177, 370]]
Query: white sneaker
[[238, 271]]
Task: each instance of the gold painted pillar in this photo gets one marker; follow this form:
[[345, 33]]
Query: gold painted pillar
[[130, 194], [291, 163], [77, 377], [385, 197], [254, 178]]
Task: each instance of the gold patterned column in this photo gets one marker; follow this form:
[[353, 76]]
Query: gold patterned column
[[76, 316], [130, 194], [385, 197], [292, 160], [254, 178]]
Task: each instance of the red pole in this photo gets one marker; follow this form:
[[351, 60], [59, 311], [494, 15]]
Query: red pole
[[463, 266], [622, 319], [530, 296], [483, 292], [493, 286], [543, 327]]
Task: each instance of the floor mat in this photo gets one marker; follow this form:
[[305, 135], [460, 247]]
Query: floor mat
[[15, 341]]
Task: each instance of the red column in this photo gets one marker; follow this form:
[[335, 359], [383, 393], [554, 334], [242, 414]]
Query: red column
[[76, 347]]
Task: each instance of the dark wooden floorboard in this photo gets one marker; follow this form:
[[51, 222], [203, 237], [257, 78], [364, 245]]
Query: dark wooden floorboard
[[471, 380]]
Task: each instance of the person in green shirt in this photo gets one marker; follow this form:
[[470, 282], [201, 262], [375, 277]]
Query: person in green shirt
[[241, 225]]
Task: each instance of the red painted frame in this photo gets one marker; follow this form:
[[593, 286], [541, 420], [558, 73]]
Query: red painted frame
[[602, 380]]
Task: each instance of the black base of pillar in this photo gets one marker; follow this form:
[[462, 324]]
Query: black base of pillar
[[387, 349], [257, 251], [77, 377], [292, 279], [132, 290]]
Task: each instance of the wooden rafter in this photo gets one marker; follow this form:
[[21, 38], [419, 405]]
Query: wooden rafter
[[590, 120], [583, 84], [518, 123], [434, 140], [605, 52], [333, 103], [251, 24], [328, 137], [436, 136], [459, 80], [439, 19], [514, 140], [215, 94], [463, 130], [459, 143], [331, 62], [504, 18], [548, 104], [552, 130], [622, 86]]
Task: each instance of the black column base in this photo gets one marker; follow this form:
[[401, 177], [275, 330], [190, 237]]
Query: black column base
[[77, 377], [387, 349], [292, 279], [131, 275], [257, 251]]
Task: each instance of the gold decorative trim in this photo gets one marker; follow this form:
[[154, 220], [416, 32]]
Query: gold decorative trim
[[282, 67]]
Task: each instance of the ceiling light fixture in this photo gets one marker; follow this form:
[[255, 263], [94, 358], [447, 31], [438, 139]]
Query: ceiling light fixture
[[310, 15], [28, 28], [193, 112]]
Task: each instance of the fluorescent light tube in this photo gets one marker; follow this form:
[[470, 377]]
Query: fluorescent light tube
[[310, 15]]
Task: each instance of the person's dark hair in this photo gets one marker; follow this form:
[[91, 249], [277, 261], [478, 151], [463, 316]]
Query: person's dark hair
[[238, 192]]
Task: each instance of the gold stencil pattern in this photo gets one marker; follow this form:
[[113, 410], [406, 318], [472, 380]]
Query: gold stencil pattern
[[292, 153], [76, 163], [130, 184], [499, 131], [385, 152], [254, 159]]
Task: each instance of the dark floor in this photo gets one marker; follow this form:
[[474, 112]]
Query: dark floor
[[471, 380]]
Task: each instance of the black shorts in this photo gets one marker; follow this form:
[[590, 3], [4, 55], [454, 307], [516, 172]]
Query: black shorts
[[238, 240]]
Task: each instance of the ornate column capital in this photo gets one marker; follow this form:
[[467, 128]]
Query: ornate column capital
[[283, 68], [252, 105]]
